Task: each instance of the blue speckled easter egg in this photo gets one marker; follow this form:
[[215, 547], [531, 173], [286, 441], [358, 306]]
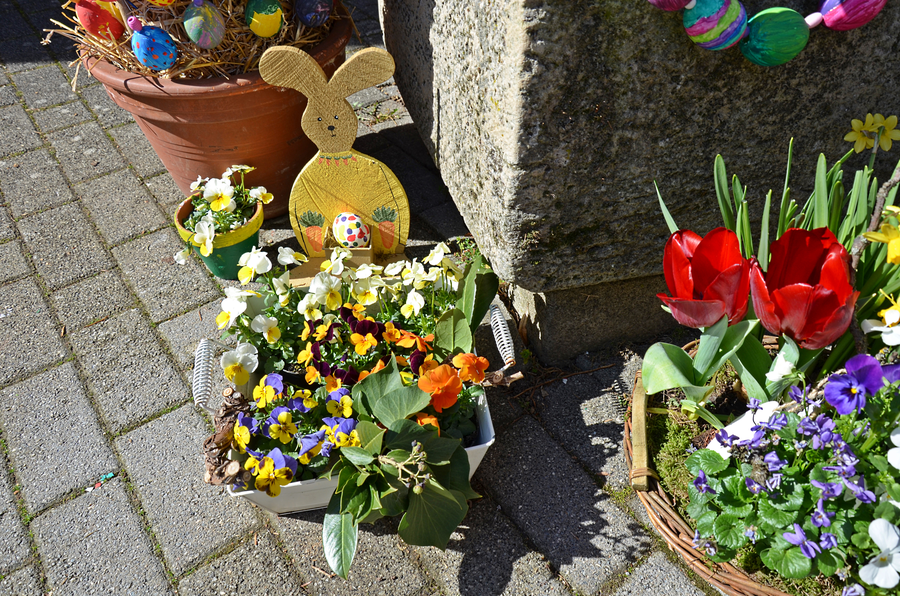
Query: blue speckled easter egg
[[350, 231], [313, 13], [264, 17], [774, 36], [152, 46], [716, 24], [204, 24], [843, 15]]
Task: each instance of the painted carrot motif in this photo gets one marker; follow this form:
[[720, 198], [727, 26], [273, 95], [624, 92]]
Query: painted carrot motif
[[385, 217], [312, 223]]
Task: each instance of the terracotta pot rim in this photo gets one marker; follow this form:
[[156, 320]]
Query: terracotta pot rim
[[222, 239], [123, 80]]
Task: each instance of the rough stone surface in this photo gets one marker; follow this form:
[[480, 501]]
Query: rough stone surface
[[381, 566], [94, 545], [6, 226], [185, 332], [165, 288], [61, 116], [63, 245], [23, 53], [42, 89], [18, 131], [658, 577], [85, 152], [120, 206], [190, 519], [134, 144], [256, 567], [12, 262], [91, 300], [24, 582], [166, 191], [108, 113], [128, 373], [33, 182], [592, 540], [486, 555], [29, 339], [14, 546], [7, 96], [53, 458]]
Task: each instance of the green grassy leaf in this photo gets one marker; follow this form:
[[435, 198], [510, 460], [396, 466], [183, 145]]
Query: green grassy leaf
[[666, 215], [722, 194], [476, 292], [820, 203]]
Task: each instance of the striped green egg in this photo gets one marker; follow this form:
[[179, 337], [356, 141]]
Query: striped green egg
[[775, 36]]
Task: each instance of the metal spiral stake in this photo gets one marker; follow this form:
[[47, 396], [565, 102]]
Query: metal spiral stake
[[502, 337], [202, 385]]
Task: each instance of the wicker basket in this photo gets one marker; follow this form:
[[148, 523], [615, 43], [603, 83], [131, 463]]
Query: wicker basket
[[660, 508]]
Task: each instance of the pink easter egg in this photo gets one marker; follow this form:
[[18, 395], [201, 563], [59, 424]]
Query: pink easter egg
[[843, 15]]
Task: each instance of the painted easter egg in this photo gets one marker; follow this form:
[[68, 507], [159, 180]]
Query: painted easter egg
[[774, 36], [843, 15], [99, 20], [204, 24], [152, 46], [670, 4], [264, 17], [161, 3], [350, 231], [716, 24], [313, 13]]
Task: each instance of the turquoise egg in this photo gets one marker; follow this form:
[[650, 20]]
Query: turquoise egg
[[204, 24], [264, 17], [715, 24], [152, 46], [774, 36]]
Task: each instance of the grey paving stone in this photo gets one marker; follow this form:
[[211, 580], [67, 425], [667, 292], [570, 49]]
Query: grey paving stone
[[67, 450], [120, 206], [15, 547], [405, 135], [258, 558], [85, 152], [165, 190], [574, 524], [63, 245], [8, 96], [24, 582], [486, 555], [445, 220], [91, 300], [43, 87], [3, 78], [128, 373], [32, 182], [29, 339], [370, 142], [637, 508], [366, 97], [136, 148], [95, 545], [165, 288], [18, 131], [190, 519], [7, 231], [658, 577], [12, 262], [185, 332], [12, 25], [61, 116], [424, 188], [108, 113], [23, 53], [379, 568]]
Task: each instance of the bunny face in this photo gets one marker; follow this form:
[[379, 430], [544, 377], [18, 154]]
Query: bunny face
[[331, 125]]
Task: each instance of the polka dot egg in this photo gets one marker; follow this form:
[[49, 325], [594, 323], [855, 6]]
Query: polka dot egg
[[152, 46], [350, 231]]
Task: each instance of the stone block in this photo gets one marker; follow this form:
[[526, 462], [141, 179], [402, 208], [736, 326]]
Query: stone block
[[85, 152], [15, 548], [29, 338], [128, 372], [12, 263], [185, 332], [8, 96], [7, 231], [166, 288], [445, 220], [12, 25], [18, 131], [43, 87], [165, 190], [61, 116], [190, 519], [95, 544], [423, 186], [63, 453], [24, 52], [63, 245], [136, 148], [255, 567], [658, 577], [564, 514], [381, 566], [24, 582], [91, 300], [120, 206], [108, 113], [32, 182]]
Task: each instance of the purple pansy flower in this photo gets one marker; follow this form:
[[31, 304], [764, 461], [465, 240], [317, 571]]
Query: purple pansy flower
[[820, 517], [829, 490], [701, 483], [276, 382], [798, 538], [725, 439], [310, 441], [854, 590], [847, 393], [280, 461], [859, 491], [754, 404], [827, 540]]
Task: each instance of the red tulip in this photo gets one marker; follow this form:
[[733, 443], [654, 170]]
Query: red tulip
[[806, 294], [708, 278]]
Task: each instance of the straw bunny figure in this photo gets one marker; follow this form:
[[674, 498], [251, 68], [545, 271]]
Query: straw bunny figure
[[338, 179]]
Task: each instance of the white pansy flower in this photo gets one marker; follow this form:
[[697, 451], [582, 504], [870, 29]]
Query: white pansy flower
[[181, 256], [259, 193], [366, 271], [289, 256], [327, 290], [781, 368], [282, 285], [365, 292], [220, 195], [893, 454], [198, 182], [395, 269], [268, 326], [308, 307], [882, 570], [414, 303], [204, 234], [433, 274], [253, 263], [436, 256], [233, 306], [239, 363]]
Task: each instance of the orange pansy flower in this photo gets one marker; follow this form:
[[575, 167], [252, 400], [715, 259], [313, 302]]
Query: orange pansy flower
[[422, 418], [444, 386], [471, 367]]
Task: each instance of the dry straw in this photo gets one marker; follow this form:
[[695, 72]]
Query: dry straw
[[239, 52]]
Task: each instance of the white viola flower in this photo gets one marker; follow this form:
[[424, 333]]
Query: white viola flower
[[268, 326], [395, 269], [433, 274], [413, 271], [781, 368], [204, 234], [259, 193], [181, 256], [882, 570], [253, 263], [220, 194], [365, 292], [414, 303], [239, 168], [893, 454], [198, 183], [289, 256], [308, 307], [437, 254], [327, 290], [233, 306], [239, 363], [365, 271], [282, 285]]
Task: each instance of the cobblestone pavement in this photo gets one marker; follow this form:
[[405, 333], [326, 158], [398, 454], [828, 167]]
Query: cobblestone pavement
[[97, 331]]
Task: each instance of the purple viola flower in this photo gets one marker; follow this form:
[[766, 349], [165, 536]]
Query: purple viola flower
[[758, 441], [800, 445], [326, 449], [847, 393], [338, 393], [773, 482], [797, 394], [298, 404], [842, 471], [859, 491], [829, 490], [276, 382], [310, 441], [798, 538], [827, 540], [820, 517], [774, 462], [751, 535], [754, 404], [725, 439], [854, 590], [697, 541], [348, 376], [701, 483], [775, 422], [280, 461], [754, 486], [807, 427], [891, 373]]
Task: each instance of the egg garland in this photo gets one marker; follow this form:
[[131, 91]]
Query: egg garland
[[152, 46], [771, 37], [204, 24], [101, 19], [313, 13], [350, 231], [264, 17]]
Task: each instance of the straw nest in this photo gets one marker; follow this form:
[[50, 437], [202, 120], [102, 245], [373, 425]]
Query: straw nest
[[239, 52]]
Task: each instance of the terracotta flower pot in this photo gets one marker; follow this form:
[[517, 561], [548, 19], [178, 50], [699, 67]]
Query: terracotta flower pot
[[201, 127], [227, 246]]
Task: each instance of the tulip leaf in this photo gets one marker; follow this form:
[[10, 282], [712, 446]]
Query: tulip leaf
[[752, 362], [820, 203], [722, 194], [339, 537], [673, 227], [763, 252], [734, 338], [710, 341], [784, 213], [666, 367], [836, 200], [433, 515]]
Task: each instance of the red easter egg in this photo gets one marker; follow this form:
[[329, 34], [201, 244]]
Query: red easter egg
[[97, 21]]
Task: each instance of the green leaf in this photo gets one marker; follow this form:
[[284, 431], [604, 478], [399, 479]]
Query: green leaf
[[722, 194], [763, 252], [880, 462], [697, 509], [438, 450], [707, 460], [729, 531], [790, 501], [396, 501], [455, 475], [432, 516], [737, 490], [402, 433], [791, 563], [710, 341], [775, 517], [357, 455], [370, 436], [339, 537], [820, 204], [666, 215], [829, 562], [666, 367], [752, 362], [734, 338], [452, 334], [706, 522], [783, 213], [893, 490], [861, 540], [476, 292], [389, 399]]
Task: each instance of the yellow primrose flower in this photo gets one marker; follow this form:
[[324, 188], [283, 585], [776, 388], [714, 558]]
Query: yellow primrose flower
[[268, 326], [889, 235], [889, 134], [863, 134]]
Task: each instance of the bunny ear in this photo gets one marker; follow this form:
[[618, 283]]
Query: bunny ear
[[366, 68], [285, 66]]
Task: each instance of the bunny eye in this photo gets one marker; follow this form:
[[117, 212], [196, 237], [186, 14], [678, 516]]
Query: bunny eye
[[320, 118], [335, 117]]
